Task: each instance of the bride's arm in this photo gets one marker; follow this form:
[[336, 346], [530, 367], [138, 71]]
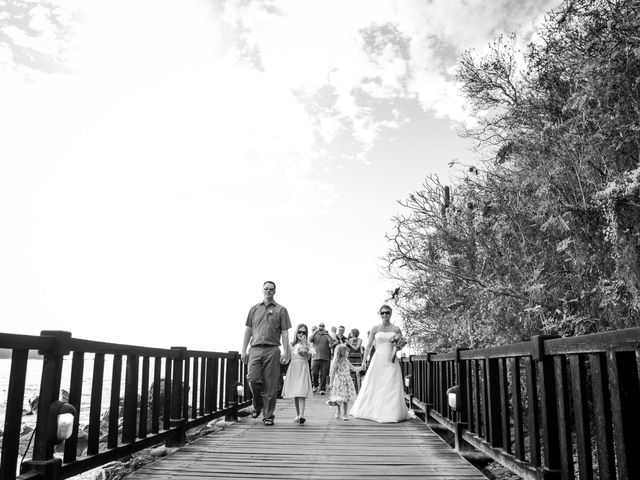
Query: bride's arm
[[394, 350], [367, 350], [394, 347]]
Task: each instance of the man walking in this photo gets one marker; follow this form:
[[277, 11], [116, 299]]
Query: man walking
[[321, 342], [267, 324], [337, 339]]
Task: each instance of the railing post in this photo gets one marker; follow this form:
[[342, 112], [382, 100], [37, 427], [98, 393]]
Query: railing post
[[43, 461], [231, 391], [625, 396], [548, 408], [11, 434], [461, 409], [495, 413], [176, 420], [428, 401], [248, 394], [410, 374], [130, 406]]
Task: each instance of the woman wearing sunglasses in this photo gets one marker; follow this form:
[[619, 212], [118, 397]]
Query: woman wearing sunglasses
[[381, 397], [297, 383]]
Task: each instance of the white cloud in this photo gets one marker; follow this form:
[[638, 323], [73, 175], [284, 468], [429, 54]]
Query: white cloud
[[358, 49], [169, 153]]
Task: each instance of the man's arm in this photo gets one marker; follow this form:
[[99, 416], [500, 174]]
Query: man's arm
[[245, 343], [285, 346]]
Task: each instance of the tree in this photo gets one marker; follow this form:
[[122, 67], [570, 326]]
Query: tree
[[543, 236]]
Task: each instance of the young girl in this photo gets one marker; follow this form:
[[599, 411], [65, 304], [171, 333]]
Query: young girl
[[297, 383], [341, 391]]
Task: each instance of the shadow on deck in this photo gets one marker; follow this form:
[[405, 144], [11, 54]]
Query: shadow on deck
[[324, 447]]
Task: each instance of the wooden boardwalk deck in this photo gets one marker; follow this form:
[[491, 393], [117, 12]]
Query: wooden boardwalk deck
[[322, 448]]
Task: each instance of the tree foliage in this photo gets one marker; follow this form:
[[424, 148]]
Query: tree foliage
[[544, 236]]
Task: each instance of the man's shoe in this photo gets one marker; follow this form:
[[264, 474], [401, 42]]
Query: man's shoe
[[268, 420], [315, 389], [321, 392], [256, 413]]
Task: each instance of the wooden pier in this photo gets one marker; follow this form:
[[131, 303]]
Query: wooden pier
[[552, 408], [323, 448]]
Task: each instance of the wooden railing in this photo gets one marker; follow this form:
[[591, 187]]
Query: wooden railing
[[166, 393], [546, 409]]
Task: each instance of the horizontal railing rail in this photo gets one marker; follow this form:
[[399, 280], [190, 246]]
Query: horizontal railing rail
[[546, 409], [155, 395]]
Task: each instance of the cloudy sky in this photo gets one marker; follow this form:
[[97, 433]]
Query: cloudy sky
[[159, 159]]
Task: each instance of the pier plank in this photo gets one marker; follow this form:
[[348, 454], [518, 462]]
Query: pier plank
[[324, 447]]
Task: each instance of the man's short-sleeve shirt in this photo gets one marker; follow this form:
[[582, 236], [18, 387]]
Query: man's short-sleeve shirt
[[321, 345], [267, 323]]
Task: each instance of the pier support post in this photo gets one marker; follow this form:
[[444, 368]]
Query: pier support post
[[177, 385], [232, 376], [43, 460], [461, 445], [550, 469]]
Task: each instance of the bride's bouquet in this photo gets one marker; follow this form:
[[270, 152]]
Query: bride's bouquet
[[399, 342]]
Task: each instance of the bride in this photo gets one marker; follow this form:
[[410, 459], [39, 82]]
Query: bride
[[381, 397]]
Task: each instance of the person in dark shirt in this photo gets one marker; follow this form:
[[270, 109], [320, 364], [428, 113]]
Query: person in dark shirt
[[322, 343]]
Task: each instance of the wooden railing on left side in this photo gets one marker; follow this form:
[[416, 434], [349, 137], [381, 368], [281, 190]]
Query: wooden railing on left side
[[166, 393]]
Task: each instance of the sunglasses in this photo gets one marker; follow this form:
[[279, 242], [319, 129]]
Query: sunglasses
[[385, 313], [302, 332]]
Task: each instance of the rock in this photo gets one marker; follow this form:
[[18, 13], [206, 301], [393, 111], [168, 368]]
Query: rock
[[113, 471], [25, 439], [119, 469], [33, 403], [160, 451]]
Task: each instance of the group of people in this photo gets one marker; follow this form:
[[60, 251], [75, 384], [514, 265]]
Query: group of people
[[381, 396], [323, 345]]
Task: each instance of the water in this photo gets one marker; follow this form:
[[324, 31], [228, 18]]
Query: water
[[32, 386]]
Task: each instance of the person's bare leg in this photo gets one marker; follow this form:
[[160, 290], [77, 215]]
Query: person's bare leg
[[345, 408], [303, 403]]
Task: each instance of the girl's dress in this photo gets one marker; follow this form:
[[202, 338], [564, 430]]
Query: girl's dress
[[341, 389], [381, 397], [297, 382]]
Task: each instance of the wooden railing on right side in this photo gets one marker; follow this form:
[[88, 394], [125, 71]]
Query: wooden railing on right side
[[546, 409]]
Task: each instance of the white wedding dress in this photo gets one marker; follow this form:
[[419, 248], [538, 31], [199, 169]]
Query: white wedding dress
[[381, 397]]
